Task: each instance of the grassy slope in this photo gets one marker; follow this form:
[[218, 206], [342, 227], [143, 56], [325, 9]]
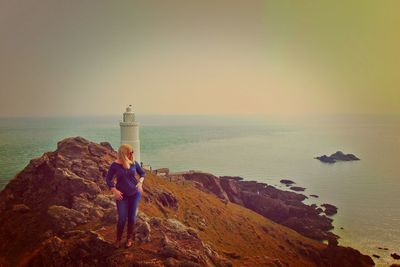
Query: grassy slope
[[230, 227]]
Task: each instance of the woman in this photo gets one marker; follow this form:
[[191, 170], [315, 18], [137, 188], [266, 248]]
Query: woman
[[127, 190]]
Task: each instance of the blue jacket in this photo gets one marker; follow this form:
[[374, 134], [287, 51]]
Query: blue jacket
[[126, 178]]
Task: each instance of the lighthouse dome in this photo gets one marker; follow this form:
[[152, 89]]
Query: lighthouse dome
[[129, 115]]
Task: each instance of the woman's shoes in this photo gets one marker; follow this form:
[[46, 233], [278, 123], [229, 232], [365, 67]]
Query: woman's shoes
[[129, 243]]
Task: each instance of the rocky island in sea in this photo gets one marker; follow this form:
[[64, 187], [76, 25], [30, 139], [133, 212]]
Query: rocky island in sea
[[58, 211], [337, 156]]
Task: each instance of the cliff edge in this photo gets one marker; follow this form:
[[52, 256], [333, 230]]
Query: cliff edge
[[58, 211]]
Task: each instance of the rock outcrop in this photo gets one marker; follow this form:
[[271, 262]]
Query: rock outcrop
[[329, 209], [297, 188], [287, 182], [208, 181], [395, 256], [283, 207], [49, 209], [58, 211], [337, 156]]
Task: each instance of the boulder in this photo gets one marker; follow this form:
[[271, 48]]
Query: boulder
[[395, 256], [297, 188], [179, 229], [155, 221], [65, 218], [105, 201], [329, 209], [143, 230], [165, 198], [287, 182], [82, 248]]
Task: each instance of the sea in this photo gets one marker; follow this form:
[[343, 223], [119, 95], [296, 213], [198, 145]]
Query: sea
[[261, 148]]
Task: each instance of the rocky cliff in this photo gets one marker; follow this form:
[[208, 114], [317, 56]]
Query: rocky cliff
[[58, 211], [281, 206]]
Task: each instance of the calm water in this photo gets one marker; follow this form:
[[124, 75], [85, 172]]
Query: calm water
[[256, 148]]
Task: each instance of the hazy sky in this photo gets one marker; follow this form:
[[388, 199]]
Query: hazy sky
[[199, 57]]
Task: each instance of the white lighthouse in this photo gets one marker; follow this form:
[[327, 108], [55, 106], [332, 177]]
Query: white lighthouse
[[130, 132]]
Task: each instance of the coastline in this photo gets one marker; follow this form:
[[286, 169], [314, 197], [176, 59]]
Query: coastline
[[283, 207], [73, 152]]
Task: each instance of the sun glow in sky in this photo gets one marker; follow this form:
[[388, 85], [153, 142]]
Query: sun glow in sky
[[205, 57]]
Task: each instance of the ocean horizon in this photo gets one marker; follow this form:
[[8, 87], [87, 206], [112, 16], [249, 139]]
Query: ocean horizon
[[261, 148]]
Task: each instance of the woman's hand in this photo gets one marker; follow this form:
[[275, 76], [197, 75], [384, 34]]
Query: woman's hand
[[117, 194], [139, 186]]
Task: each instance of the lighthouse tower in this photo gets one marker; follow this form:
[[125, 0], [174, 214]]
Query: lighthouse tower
[[130, 132]]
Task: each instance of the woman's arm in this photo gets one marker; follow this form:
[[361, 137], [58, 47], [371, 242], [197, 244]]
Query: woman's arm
[[141, 172], [109, 176]]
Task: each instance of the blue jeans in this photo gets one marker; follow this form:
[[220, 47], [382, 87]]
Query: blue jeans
[[127, 207]]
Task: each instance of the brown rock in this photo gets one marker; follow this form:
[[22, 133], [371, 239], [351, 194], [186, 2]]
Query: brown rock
[[395, 256], [155, 221], [165, 198], [84, 248], [209, 182], [341, 256], [329, 209], [287, 182], [65, 218], [107, 145], [283, 207], [110, 216], [297, 188], [73, 147], [105, 201], [181, 230], [143, 231], [21, 208]]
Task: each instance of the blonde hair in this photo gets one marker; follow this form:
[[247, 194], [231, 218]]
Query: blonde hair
[[123, 155]]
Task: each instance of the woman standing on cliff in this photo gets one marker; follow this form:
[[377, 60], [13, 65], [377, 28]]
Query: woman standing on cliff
[[127, 190]]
